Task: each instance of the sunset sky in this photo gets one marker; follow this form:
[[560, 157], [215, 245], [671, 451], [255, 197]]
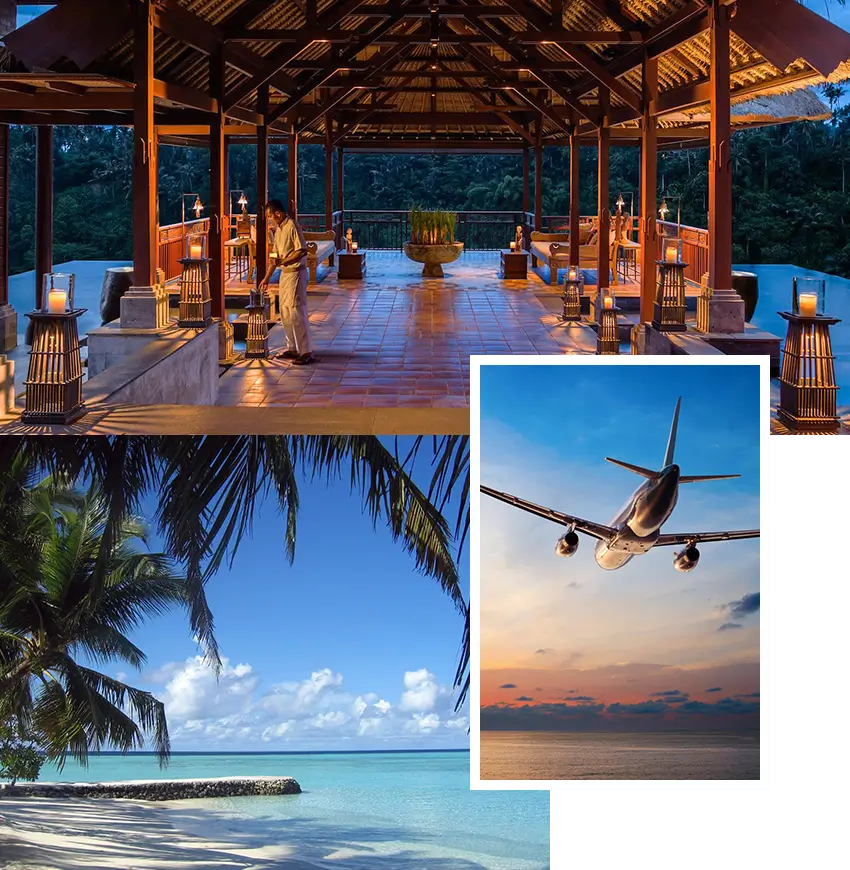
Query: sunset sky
[[567, 645]]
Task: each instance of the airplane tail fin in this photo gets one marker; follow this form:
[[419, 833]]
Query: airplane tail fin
[[671, 441], [697, 478], [637, 469]]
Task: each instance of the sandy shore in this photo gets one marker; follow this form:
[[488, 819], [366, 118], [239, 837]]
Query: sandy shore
[[72, 833]]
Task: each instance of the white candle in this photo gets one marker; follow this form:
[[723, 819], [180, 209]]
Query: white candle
[[808, 304], [354, 247], [57, 301], [573, 273], [607, 302], [195, 252], [671, 253], [513, 246]]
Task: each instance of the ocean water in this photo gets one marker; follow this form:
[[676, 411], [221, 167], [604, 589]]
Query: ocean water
[[382, 810], [526, 755]]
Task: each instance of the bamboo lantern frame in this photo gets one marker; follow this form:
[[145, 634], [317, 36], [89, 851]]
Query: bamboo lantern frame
[[257, 340], [573, 291], [807, 388], [195, 306], [669, 313], [608, 333]]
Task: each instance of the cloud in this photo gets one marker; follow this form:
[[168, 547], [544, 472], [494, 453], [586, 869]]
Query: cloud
[[580, 698], [751, 695], [715, 689], [508, 686], [745, 606], [668, 692], [728, 626], [543, 652], [316, 712], [524, 698], [574, 585]]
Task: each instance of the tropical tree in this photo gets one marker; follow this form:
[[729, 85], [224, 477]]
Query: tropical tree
[[71, 589], [207, 488]]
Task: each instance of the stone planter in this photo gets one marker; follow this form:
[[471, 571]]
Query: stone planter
[[433, 256]]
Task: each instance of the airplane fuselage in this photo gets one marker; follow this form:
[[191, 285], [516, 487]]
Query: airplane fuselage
[[637, 525]]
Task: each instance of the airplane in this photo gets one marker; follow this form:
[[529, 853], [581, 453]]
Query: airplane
[[637, 528]]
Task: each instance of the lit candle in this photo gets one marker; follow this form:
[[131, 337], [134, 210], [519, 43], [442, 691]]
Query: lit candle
[[57, 301], [195, 252], [513, 246], [607, 302], [671, 253], [354, 247], [573, 273], [808, 304]]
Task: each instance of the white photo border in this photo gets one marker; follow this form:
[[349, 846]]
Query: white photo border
[[767, 565]]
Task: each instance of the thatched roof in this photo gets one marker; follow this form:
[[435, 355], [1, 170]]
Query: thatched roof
[[487, 76]]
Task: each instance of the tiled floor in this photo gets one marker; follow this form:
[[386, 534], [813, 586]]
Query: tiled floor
[[396, 339]]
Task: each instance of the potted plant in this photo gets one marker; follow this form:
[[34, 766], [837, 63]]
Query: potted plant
[[432, 240]]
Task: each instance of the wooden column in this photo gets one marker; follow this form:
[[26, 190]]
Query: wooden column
[[526, 166], [218, 187], [575, 212], [538, 181], [329, 173], [43, 208], [719, 162], [648, 190], [8, 318], [292, 176], [145, 228], [340, 178], [262, 185], [603, 258]]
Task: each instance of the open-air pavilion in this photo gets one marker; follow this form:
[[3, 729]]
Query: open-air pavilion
[[489, 76]]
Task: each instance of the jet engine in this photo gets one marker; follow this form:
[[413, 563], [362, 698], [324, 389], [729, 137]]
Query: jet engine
[[568, 544], [687, 559]]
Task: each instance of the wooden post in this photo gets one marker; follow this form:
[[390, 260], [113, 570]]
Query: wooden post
[[648, 190], [719, 162], [329, 173], [603, 258], [526, 161], [292, 176], [43, 208], [262, 185], [575, 215], [218, 187], [145, 228], [340, 179], [538, 180], [8, 318]]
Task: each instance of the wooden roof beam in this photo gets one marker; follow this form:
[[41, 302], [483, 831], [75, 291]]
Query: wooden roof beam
[[95, 100]]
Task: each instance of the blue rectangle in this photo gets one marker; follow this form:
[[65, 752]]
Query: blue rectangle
[[728, 830]]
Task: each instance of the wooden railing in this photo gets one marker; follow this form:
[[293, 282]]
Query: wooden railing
[[388, 230]]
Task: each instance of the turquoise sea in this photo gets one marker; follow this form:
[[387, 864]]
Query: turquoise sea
[[387, 810]]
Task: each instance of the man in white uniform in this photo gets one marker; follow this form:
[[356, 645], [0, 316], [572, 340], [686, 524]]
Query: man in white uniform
[[290, 251]]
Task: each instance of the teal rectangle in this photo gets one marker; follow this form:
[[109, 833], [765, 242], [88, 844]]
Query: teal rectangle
[[729, 830]]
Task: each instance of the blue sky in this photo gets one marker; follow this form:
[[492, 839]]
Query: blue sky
[[351, 619], [550, 626]]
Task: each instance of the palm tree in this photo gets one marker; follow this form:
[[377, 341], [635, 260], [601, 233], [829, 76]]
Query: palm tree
[[64, 594], [207, 489]]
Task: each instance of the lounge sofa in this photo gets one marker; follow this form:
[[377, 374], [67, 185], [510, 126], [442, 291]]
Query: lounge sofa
[[554, 250], [321, 248]]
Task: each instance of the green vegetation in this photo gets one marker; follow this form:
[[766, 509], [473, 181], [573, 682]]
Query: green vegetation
[[791, 201], [432, 227], [19, 755]]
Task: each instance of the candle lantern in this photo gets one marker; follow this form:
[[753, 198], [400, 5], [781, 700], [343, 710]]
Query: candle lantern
[[257, 342], [807, 388], [195, 305], [54, 383], [669, 315], [354, 247], [608, 332], [671, 250], [573, 290]]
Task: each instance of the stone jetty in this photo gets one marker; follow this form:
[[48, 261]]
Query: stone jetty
[[159, 789]]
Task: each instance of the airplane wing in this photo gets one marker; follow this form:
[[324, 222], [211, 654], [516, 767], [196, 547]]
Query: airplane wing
[[595, 530], [705, 537]]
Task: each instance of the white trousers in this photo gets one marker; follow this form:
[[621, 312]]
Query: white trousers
[[293, 310]]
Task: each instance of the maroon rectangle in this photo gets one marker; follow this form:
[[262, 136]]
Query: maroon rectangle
[[812, 608]]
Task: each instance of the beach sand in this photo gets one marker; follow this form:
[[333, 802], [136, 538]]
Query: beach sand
[[74, 833]]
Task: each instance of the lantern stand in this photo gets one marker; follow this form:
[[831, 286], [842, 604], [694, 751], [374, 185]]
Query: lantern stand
[[807, 388], [195, 306], [669, 313], [608, 332], [257, 340], [54, 383], [573, 290]]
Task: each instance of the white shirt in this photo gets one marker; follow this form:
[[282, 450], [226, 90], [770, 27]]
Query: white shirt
[[288, 239]]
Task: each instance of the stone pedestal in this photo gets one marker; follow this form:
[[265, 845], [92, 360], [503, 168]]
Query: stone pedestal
[[144, 308], [720, 311], [8, 327], [111, 344], [7, 385]]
